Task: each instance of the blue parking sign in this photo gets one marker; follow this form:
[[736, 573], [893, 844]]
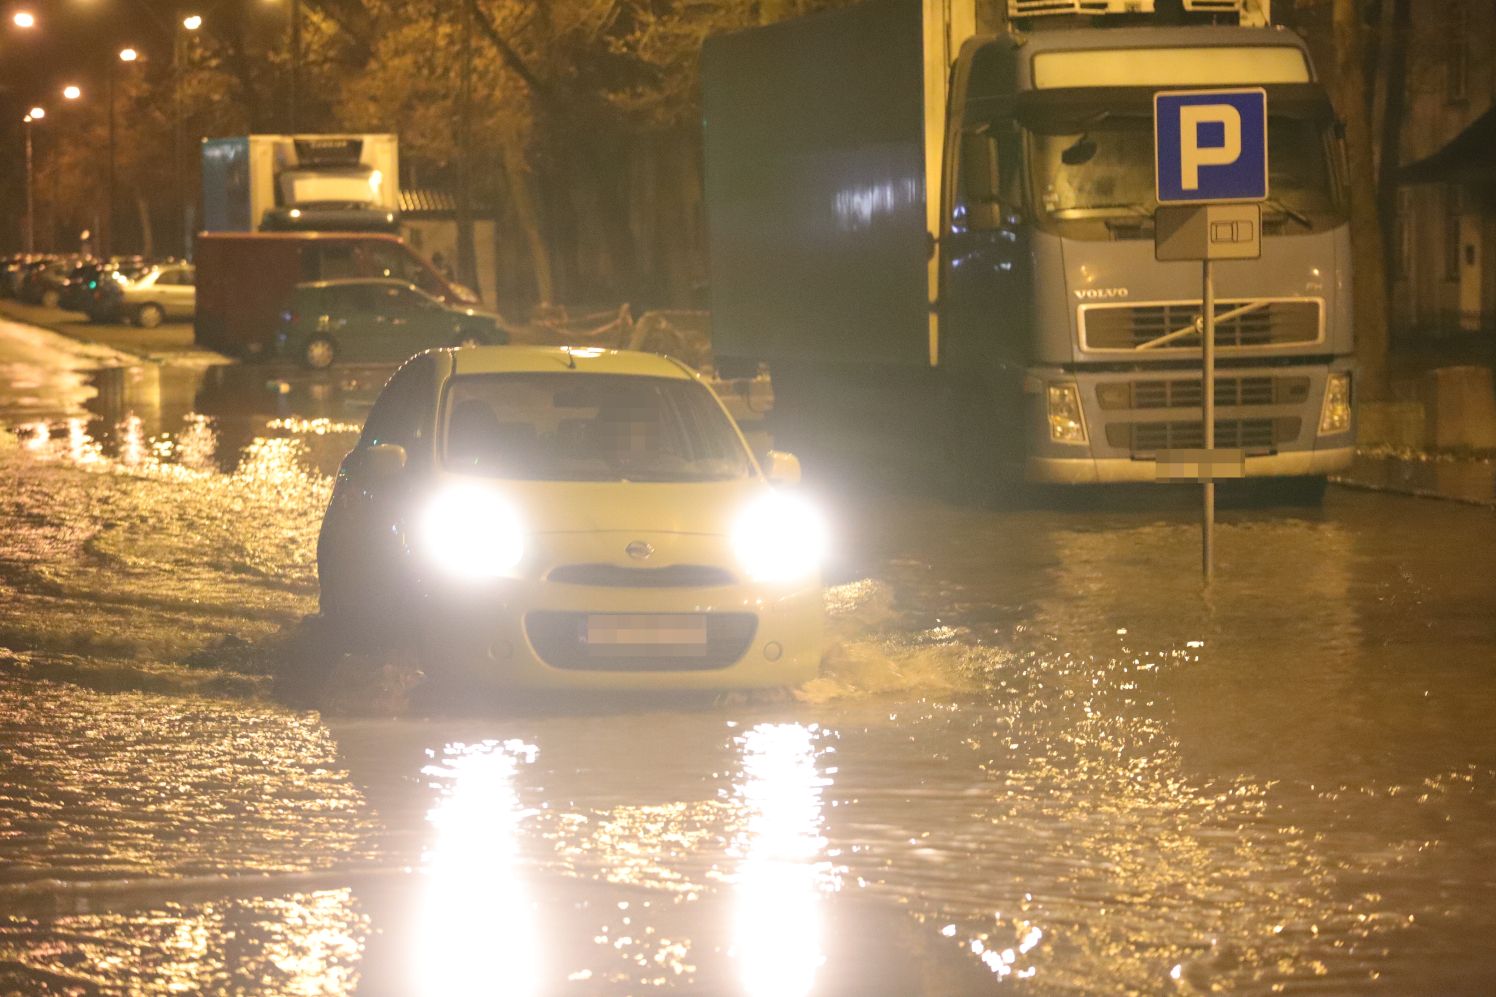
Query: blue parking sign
[[1210, 146]]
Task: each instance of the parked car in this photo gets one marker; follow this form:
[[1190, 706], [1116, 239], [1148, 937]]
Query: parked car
[[43, 285], [546, 518], [163, 292], [245, 279], [106, 302], [378, 319]]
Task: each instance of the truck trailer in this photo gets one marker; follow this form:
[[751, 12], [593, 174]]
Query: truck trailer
[[279, 183], [946, 238]]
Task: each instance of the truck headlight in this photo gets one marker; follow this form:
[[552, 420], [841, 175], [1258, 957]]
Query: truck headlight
[[470, 531], [1335, 417], [1065, 422], [780, 538]]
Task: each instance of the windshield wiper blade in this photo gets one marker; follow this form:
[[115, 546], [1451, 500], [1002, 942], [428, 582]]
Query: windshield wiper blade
[[1277, 206]]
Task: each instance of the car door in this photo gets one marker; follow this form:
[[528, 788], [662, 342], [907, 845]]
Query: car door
[[428, 323], [355, 318], [362, 555]]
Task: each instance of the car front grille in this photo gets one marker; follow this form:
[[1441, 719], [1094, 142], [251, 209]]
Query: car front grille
[[559, 638], [618, 576], [1127, 327]]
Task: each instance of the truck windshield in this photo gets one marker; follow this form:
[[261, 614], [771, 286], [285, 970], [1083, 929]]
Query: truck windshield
[[1089, 181], [566, 426]]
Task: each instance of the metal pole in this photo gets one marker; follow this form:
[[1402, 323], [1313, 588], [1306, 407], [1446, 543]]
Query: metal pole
[[177, 141], [1207, 339], [295, 59], [30, 196], [109, 215]]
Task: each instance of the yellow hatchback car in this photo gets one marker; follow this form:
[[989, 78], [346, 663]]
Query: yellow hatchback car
[[574, 518]]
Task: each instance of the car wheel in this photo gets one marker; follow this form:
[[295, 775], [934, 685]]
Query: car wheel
[[50, 298], [149, 316], [319, 352]]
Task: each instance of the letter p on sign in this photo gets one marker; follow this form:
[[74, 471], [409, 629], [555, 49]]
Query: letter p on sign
[[1210, 146]]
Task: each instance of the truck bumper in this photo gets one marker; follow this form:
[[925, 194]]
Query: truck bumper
[[1110, 470]]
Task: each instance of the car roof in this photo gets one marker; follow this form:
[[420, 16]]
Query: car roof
[[591, 359], [318, 285]]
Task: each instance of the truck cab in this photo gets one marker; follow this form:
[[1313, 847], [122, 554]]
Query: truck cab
[[1048, 281]]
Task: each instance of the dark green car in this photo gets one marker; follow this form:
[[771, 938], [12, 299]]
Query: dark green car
[[375, 320]]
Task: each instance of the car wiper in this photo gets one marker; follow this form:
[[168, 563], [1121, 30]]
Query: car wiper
[[1278, 207]]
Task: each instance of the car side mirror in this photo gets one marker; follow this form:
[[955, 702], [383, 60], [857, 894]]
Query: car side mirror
[[782, 468], [384, 460]]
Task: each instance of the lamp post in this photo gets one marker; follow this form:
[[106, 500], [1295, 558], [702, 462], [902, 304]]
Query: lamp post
[[34, 115], [23, 19], [110, 217], [189, 23]]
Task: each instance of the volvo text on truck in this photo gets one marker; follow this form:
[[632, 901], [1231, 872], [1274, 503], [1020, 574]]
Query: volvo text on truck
[[949, 237]]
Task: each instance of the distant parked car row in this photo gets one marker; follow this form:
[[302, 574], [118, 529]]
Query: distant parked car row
[[120, 289], [376, 315]]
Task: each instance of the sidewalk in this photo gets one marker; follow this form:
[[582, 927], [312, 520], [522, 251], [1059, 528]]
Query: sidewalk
[[169, 343]]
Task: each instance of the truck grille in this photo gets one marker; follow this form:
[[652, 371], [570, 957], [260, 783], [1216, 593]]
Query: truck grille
[[559, 638], [1249, 434], [1127, 327], [616, 576], [1230, 391]]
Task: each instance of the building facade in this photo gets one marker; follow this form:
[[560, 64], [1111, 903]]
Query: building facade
[[1443, 255]]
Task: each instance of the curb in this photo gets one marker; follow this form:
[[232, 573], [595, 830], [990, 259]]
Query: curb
[[193, 357]]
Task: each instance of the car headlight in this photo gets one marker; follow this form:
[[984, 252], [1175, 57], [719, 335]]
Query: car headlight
[[1066, 424], [780, 538], [471, 532], [1335, 417]]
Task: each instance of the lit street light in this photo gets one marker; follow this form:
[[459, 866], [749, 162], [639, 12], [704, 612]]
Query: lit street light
[[71, 92], [179, 55], [34, 115], [125, 55], [24, 19]]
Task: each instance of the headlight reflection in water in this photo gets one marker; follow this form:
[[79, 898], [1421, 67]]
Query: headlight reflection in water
[[476, 929], [777, 930]]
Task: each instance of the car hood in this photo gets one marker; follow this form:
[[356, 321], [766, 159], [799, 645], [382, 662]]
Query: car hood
[[702, 508]]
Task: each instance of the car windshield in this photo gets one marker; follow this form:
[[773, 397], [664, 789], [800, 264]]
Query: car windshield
[[566, 426]]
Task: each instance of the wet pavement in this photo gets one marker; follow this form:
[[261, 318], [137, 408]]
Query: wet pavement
[[1037, 759]]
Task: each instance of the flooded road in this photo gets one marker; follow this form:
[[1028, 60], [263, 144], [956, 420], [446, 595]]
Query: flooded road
[[1037, 760]]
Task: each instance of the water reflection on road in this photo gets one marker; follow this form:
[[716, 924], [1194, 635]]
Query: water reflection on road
[[1037, 757]]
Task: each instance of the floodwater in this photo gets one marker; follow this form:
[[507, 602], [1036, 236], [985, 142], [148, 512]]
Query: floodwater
[[1037, 759]]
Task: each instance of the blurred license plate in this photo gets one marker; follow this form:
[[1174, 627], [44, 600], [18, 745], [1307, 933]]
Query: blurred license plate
[[614, 633]]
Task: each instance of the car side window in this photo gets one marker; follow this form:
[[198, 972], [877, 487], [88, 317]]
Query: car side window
[[168, 278], [405, 410], [188, 278]]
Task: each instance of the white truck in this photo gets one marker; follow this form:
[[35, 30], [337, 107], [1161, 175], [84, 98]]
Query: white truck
[[278, 183]]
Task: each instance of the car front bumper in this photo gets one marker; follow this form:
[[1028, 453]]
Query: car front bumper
[[514, 633]]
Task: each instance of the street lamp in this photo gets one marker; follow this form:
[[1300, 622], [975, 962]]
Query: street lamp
[[179, 55], [125, 55], [23, 19], [34, 115], [71, 92]]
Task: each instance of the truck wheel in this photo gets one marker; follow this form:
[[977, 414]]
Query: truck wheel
[[50, 298], [319, 352], [149, 316]]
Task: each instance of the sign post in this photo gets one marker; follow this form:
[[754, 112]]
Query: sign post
[[1210, 167]]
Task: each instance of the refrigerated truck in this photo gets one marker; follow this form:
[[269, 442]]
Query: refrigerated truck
[[321, 182], [948, 237]]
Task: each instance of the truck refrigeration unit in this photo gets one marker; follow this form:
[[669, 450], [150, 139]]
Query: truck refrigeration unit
[[946, 238], [278, 183]]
